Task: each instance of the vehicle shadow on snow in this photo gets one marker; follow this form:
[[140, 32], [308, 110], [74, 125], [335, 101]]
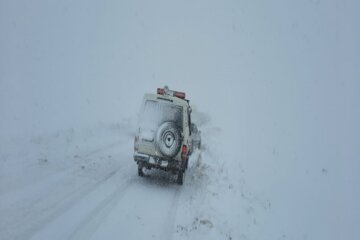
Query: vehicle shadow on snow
[[160, 178]]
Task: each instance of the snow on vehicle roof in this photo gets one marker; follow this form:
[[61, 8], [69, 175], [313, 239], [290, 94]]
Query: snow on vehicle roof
[[174, 100]]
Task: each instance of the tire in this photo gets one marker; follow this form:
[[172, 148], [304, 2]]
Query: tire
[[168, 139], [140, 171], [180, 177]]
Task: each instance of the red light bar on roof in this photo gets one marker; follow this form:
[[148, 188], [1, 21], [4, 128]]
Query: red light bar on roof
[[161, 91], [167, 91], [180, 95]]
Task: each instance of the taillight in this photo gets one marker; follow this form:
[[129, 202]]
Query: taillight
[[184, 152]]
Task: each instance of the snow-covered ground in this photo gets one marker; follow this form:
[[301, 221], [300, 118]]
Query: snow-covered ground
[[83, 185], [275, 90]]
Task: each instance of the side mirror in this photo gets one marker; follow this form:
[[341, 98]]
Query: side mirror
[[193, 128]]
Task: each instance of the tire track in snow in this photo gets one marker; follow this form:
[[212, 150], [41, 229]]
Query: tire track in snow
[[172, 213], [88, 219], [87, 207], [61, 171], [92, 221], [146, 208], [171, 216], [50, 211], [45, 206]]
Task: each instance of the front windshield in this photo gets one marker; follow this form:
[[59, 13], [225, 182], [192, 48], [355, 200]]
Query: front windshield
[[154, 113]]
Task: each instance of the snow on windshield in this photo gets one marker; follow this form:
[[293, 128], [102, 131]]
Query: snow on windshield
[[154, 113]]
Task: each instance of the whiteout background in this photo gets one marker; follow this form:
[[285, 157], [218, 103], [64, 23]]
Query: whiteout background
[[277, 82]]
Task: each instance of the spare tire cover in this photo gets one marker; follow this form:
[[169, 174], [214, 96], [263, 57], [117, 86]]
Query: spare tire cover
[[168, 139]]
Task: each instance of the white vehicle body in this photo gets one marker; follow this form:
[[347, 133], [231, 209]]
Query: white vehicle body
[[163, 139]]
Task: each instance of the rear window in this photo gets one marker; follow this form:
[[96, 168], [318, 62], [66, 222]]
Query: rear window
[[154, 113]]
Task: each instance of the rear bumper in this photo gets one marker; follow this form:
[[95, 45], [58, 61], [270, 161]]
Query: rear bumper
[[156, 162], [141, 157]]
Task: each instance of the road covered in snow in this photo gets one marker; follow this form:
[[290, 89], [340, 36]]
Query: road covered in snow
[[84, 185]]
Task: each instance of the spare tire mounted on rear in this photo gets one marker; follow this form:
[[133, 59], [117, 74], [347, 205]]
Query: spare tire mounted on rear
[[168, 139]]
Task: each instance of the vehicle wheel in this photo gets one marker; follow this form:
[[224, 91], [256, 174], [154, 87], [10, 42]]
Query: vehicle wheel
[[168, 139], [180, 177], [140, 170]]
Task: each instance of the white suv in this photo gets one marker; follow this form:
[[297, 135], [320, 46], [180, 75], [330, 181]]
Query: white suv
[[163, 138]]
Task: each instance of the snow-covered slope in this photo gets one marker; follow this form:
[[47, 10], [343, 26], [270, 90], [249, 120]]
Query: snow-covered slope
[[275, 91]]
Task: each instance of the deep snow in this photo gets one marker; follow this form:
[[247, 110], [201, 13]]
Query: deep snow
[[275, 90]]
